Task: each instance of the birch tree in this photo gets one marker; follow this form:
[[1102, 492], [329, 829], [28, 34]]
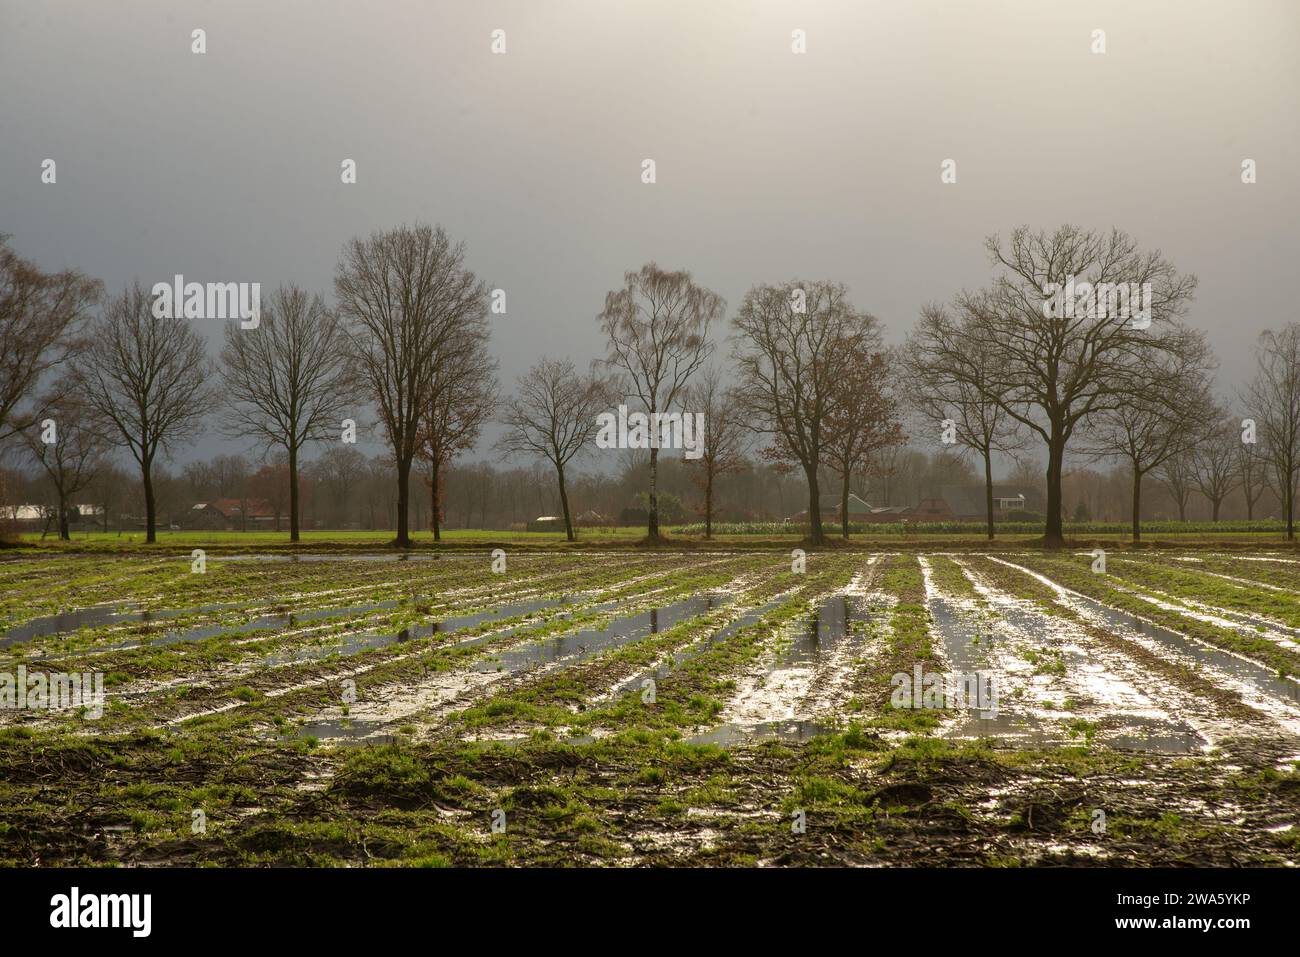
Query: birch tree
[[657, 331], [1273, 399]]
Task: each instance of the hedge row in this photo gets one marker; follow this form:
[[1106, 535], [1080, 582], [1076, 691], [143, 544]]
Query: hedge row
[[1006, 528]]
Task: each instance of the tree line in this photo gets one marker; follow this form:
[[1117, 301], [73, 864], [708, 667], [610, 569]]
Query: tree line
[[1008, 369]]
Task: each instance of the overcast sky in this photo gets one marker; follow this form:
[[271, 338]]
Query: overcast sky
[[770, 165]]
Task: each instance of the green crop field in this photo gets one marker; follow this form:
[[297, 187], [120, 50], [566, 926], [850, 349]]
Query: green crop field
[[760, 534], [708, 706]]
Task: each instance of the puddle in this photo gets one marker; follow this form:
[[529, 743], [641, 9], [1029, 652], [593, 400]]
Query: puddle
[[351, 557], [680, 657], [97, 616], [279, 620], [968, 648], [1148, 735], [582, 643], [787, 694], [360, 642], [1156, 737], [964, 651], [728, 735], [1014, 726], [284, 620], [345, 731], [370, 640], [452, 686], [67, 622], [1244, 622], [1258, 676], [828, 625]]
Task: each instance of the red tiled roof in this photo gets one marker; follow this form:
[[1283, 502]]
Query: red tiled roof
[[233, 507]]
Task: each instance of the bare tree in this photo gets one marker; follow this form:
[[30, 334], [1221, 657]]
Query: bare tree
[[1214, 465], [795, 343], [221, 477], [553, 415], [73, 455], [1026, 470], [286, 380], [952, 374], [1177, 477], [406, 293], [270, 483], [339, 470], [1063, 351], [145, 381], [658, 331], [379, 498], [42, 320], [105, 490], [888, 467], [462, 397], [1273, 399], [1162, 419], [722, 446], [863, 418], [1250, 467]]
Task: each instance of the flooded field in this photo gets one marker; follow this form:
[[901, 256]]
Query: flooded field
[[629, 708]]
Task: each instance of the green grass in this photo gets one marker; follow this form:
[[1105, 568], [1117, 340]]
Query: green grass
[[961, 534]]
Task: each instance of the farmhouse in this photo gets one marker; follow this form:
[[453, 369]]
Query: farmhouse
[[966, 503], [225, 514], [36, 518]]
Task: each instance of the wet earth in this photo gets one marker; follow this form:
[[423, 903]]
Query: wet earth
[[681, 709]]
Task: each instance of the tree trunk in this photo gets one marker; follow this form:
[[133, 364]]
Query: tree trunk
[[403, 539], [652, 531], [844, 506], [1053, 535], [564, 503], [1137, 505], [293, 494], [708, 505], [988, 489], [1214, 504], [150, 510], [435, 478], [63, 518], [815, 534], [1290, 512]]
